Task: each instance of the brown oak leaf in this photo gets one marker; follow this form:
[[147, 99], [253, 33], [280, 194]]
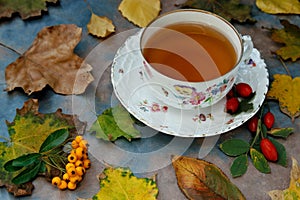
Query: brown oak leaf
[[50, 61]]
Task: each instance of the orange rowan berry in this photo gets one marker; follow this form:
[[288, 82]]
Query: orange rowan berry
[[71, 186], [66, 177], [80, 171], [78, 138], [56, 181], [86, 163], [79, 152], [74, 144], [74, 179], [71, 171], [78, 163], [72, 158], [63, 185], [83, 144], [69, 165]]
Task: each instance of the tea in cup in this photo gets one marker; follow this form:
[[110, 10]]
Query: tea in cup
[[191, 57]]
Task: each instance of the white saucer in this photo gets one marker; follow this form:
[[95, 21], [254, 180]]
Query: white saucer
[[136, 96]]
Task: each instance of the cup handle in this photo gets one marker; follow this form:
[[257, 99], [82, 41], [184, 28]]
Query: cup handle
[[248, 47]]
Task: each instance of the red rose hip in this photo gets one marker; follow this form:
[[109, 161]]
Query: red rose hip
[[269, 120], [243, 90], [252, 124], [269, 150], [232, 105]]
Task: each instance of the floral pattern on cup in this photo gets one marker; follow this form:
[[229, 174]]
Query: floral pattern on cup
[[192, 97], [152, 107]]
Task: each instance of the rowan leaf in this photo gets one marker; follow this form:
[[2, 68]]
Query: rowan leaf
[[51, 61], [279, 7], [140, 12], [232, 10], [290, 37], [26, 9], [285, 89], [199, 179], [120, 183], [100, 26], [113, 123], [293, 192], [27, 132]]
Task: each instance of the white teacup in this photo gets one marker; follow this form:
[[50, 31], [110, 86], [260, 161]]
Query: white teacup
[[181, 92]]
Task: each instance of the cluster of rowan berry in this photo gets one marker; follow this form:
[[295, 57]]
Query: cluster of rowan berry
[[78, 163]]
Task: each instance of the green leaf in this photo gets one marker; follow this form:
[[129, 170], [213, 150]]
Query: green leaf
[[54, 140], [259, 161], [28, 174], [282, 158], [114, 123], [22, 161], [9, 167], [235, 147], [25, 8], [281, 132], [239, 166], [232, 10]]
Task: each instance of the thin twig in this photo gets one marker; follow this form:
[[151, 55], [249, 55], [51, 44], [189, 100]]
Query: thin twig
[[285, 67], [13, 50]]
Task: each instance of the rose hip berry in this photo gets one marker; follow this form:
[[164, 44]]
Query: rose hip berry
[[243, 90], [252, 124], [232, 105], [269, 120], [269, 150], [230, 94]]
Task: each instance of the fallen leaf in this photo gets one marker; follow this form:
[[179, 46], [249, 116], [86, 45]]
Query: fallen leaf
[[199, 179], [140, 12], [231, 10], [27, 132], [279, 6], [293, 192], [120, 183], [26, 9], [51, 61], [113, 123], [100, 26], [290, 36], [285, 89]]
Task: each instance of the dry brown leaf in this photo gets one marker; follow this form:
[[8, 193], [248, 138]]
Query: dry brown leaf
[[50, 61], [100, 26], [140, 12]]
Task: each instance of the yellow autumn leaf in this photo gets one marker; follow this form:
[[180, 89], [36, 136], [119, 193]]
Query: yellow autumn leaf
[[100, 26], [293, 192], [279, 6], [140, 12], [120, 183], [285, 89]]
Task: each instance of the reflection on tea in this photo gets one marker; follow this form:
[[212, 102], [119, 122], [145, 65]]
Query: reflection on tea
[[190, 52]]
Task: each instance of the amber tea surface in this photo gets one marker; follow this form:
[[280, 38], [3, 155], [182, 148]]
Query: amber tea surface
[[190, 52]]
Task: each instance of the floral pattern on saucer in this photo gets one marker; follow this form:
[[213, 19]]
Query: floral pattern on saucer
[[153, 107]]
